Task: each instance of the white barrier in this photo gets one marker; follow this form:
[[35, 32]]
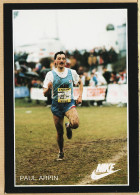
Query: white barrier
[[89, 93], [115, 94], [37, 94]]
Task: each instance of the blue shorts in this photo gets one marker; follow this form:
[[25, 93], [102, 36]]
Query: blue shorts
[[59, 109]]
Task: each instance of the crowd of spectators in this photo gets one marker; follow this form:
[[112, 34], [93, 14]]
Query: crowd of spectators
[[91, 66]]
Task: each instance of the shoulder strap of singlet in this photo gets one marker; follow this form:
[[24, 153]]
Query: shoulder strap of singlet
[[69, 71], [54, 73]]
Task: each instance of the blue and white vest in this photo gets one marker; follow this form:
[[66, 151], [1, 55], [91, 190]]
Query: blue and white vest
[[62, 87]]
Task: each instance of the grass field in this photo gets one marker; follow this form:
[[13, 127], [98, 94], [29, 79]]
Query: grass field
[[100, 138]]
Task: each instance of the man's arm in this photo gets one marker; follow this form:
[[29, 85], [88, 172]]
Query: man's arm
[[47, 90], [47, 84], [79, 100]]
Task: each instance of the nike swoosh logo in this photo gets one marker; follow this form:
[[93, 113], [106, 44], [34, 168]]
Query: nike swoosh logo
[[94, 176]]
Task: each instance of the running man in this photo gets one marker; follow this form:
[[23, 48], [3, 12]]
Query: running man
[[60, 81]]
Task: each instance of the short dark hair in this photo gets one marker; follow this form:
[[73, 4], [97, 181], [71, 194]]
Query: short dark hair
[[60, 52]]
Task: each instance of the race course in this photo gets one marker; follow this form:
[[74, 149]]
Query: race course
[[100, 138]]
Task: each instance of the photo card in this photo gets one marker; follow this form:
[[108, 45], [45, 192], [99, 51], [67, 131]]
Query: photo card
[[71, 97]]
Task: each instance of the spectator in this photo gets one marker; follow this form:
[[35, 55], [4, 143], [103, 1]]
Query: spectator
[[104, 56], [84, 59], [68, 63], [100, 79], [97, 80], [122, 77], [77, 55], [106, 75], [93, 80], [92, 61], [113, 77], [80, 70], [74, 63], [36, 83], [81, 74], [87, 78], [112, 55], [17, 66], [38, 67], [52, 65]]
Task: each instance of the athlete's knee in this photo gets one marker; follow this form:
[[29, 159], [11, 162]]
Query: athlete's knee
[[59, 129], [74, 124]]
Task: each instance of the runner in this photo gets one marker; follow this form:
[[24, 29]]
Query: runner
[[60, 81]]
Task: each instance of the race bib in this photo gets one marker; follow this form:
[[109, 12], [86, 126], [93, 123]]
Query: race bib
[[64, 95]]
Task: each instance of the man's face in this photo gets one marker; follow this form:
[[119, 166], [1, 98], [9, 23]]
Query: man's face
[[60, 61]]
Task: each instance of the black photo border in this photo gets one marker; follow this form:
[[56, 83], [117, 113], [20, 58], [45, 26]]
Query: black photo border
[[132, 97]]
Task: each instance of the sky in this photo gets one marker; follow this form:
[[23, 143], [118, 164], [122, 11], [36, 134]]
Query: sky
[[77, 29]]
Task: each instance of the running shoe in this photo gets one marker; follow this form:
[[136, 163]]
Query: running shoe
[[60, 156], [69, 131]]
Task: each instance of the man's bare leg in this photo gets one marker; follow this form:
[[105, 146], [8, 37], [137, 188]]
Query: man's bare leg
[[72, 115], [59, 127]]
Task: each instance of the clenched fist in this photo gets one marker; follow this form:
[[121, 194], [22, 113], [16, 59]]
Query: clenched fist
[[79, 100], [50, 85]]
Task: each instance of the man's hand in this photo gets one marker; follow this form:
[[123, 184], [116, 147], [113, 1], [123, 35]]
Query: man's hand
[[46, 91], [50, 85], [79, 100]]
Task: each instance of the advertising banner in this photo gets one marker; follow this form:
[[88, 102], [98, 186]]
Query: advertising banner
[[91, 93], [21, 92], [115, 93]]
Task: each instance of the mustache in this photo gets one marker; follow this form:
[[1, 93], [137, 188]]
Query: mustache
[[61, 63]]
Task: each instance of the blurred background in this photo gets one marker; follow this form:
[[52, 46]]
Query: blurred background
[[95, 43]]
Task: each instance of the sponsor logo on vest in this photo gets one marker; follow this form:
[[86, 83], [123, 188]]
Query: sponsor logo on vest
[[103, 170], [70, 81]]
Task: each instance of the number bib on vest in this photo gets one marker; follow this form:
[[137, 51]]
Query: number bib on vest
[[64, 95]]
